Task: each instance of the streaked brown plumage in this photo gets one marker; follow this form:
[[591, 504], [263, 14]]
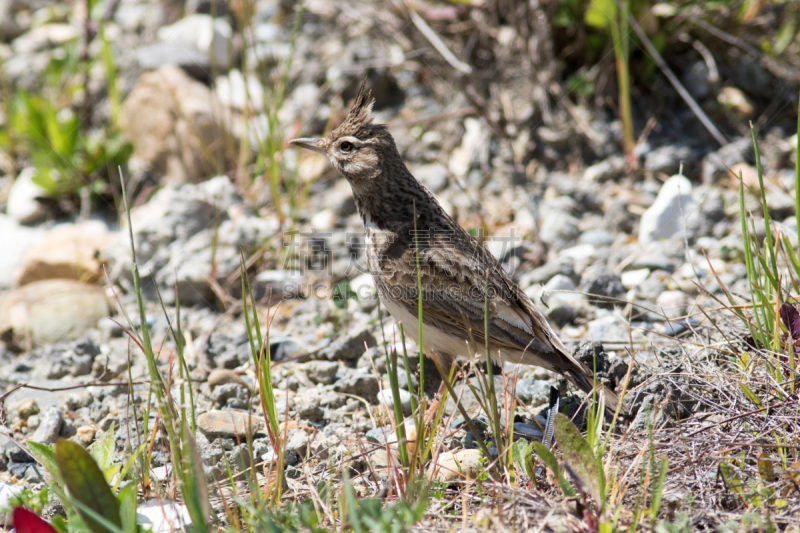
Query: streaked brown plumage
[[454, 266]]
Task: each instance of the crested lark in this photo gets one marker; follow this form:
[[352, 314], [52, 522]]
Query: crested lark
[[454, 266]]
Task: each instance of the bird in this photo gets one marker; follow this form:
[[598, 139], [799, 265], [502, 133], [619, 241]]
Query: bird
[[407, 232]]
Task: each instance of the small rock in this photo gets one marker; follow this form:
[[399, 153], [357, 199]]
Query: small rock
[[50, 311], [533, 392], [364, 287], [667, 159], [733, 98], [200, 33], [352, 345], [321, 371], [231, 395], [28, 409], [228, 424], [597, 237], [696, 79], [605, 170], [434, 176], [558, 228], [378, 435], [665, 218], [634, 278], [459, 464], [163, 516], [237, 92], [23, 206], [66, 252], [386, 398], [672, 304], [601, 281], [359, 384], [298, 443], [222, 376], [50, 426], [86, 434]]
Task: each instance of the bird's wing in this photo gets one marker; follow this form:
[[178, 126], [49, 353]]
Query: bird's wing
[[454, 270]]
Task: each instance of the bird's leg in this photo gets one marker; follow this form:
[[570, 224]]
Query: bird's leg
[[444, 364], [430, 414]]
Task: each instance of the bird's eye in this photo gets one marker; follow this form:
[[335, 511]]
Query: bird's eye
[[346, 147]]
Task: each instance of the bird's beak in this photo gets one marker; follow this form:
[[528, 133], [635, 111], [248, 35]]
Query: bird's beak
[[310, 143]]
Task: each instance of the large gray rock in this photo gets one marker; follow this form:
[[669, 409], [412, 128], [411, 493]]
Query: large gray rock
[[666, 217], [188, 234]]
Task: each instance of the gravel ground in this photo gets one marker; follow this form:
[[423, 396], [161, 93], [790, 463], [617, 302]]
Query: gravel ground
[[629, 257]]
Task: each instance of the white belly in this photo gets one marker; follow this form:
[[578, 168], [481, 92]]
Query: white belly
[[433, 339]]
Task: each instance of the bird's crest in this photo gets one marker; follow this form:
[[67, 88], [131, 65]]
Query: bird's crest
[[358, 122]]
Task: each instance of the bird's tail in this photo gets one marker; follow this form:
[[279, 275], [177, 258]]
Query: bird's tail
[[581, 377]]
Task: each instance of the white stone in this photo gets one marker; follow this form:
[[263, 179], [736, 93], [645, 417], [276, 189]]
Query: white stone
[[672, 303], [386, 398], [7, 492], [560, 282], [634, 278], [234, 90], [22, 203], [364, 286], [163, 516], [199, 32], [324, 220], [665, 218]]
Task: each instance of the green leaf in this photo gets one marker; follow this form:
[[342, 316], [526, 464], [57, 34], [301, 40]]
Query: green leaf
[[129, 463], [87, 485], [549, 459], [749, 393], [655, 502], [127, 508], [520, 451], [578, 457], [103, 454], [601, 13], [45, 455]]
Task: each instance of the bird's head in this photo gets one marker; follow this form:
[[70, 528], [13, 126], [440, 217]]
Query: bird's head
[[357, 149]]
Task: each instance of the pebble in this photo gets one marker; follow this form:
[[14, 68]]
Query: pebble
[[163, 516], [672, 303], [23, 206], [634, 278], [351, 345], [222, 376], [86, 434], [533, 392], [386, 398], [27, 409], [49, 427], [228, 424], [665, 218], [455, 465], [321, 371]]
